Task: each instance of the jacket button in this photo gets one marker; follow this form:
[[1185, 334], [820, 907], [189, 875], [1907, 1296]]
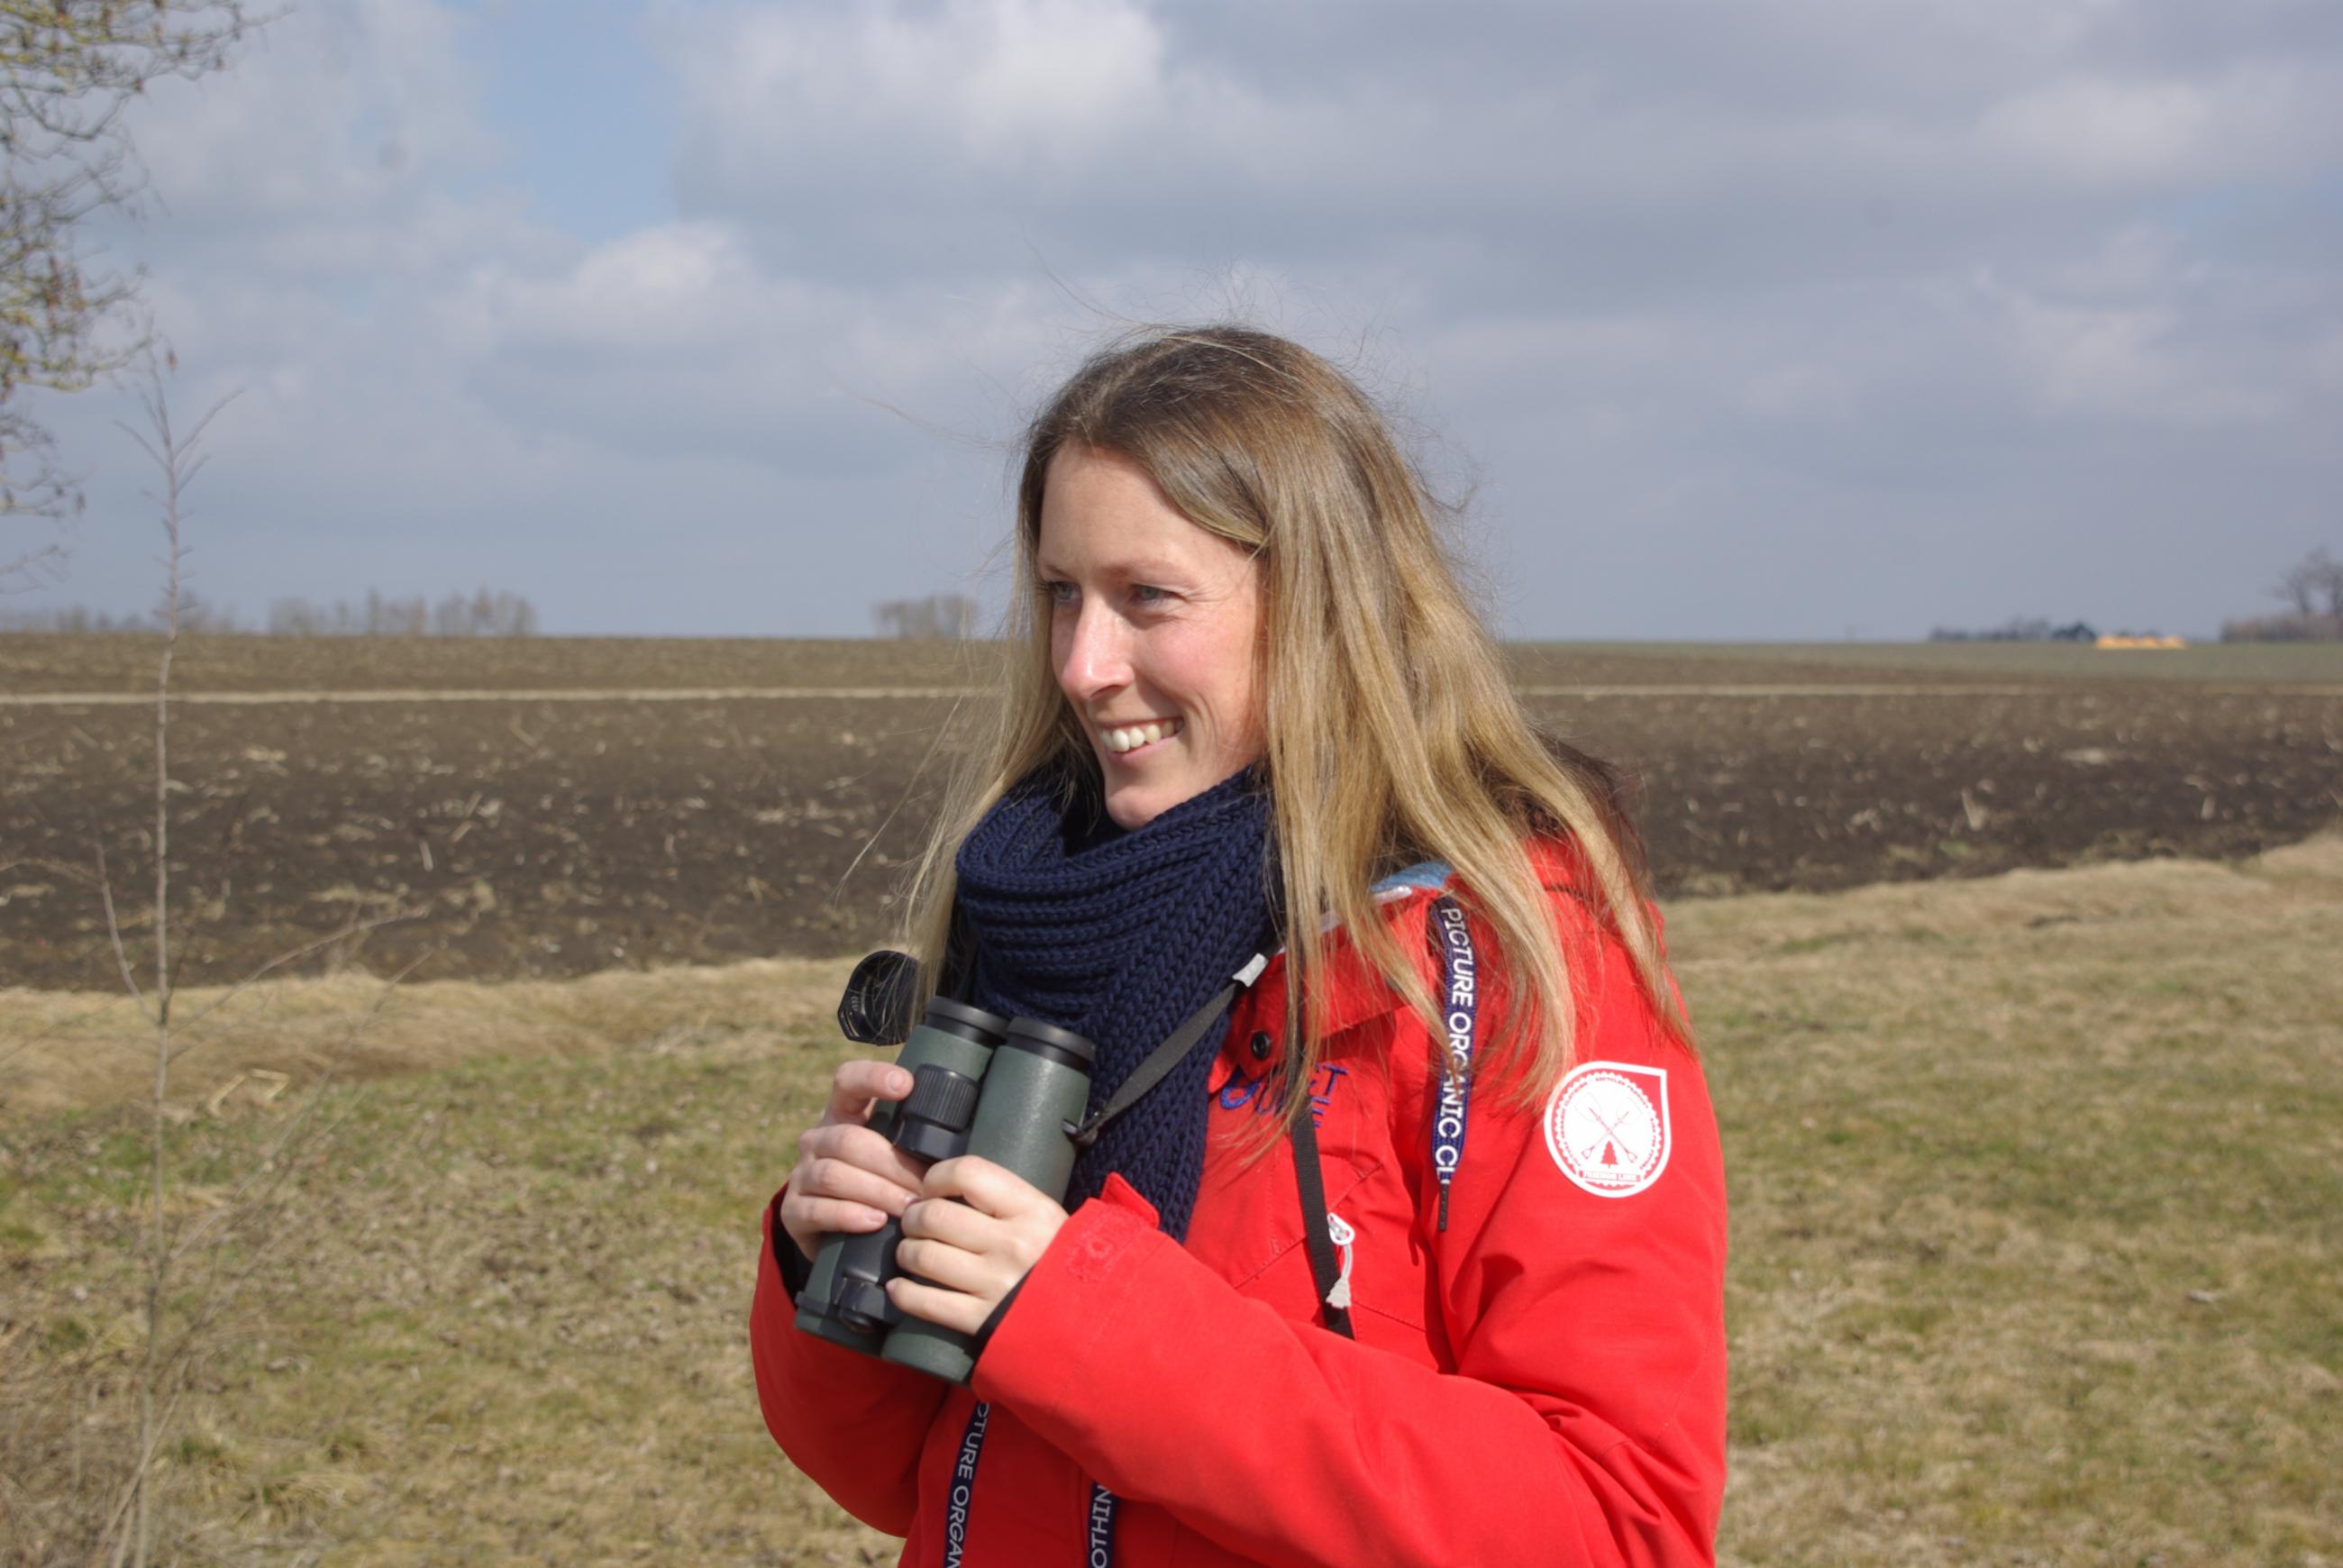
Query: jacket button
[[1262, 1045]]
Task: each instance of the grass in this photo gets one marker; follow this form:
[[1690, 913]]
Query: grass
[[64, 1049], [2037, 1221], [2036, 1210], [502, 1318]]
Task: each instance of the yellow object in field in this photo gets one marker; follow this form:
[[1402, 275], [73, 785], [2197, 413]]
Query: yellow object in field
[[2117, 640]]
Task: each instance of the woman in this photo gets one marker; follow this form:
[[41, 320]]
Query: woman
[[1296, 1314]]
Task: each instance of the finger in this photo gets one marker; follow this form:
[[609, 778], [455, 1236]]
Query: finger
[[862, 1148], [808, 1220], [948, 1309], [944, 1264], [843, 1179], [856, 1084], [982, 1185], [949, 1220]]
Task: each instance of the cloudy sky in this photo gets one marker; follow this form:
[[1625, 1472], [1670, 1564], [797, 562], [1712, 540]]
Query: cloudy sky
[[1736, 318]]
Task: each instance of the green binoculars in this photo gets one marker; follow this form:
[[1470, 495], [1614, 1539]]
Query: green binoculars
[[1010, 1090]]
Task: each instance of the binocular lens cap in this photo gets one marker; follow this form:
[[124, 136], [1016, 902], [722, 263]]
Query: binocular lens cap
[[877, 1007]]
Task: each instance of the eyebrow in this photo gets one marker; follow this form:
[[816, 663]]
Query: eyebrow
[[1145, 569]]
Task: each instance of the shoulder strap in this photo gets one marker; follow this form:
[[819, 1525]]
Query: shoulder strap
[[1323, 1270], [1459, 1014], [1164, 1057]]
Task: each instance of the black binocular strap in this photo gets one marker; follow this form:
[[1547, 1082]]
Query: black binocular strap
[[1315, 1236], [1164, 1057]]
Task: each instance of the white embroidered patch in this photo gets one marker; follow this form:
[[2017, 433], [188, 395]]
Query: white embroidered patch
[[1607, 1127]]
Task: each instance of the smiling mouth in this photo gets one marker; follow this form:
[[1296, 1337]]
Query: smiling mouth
[[1125, 738]]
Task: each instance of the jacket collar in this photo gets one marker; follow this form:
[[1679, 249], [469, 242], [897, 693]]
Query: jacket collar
[[1352, 989]]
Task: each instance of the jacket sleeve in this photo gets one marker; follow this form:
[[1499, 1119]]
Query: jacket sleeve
[[1583, 1422], [851, 1422]]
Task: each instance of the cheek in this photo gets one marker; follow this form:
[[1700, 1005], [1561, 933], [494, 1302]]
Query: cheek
[[1244, 656], [1247, 718], [1234, 700]]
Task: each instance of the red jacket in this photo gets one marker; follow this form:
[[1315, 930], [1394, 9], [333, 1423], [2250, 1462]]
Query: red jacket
[[1541, 1382]]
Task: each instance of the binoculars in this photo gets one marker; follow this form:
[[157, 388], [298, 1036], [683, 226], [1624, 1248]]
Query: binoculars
[[1010, 1090]]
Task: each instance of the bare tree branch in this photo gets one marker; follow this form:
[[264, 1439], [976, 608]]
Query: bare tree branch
[[113, 935], [177, 459]]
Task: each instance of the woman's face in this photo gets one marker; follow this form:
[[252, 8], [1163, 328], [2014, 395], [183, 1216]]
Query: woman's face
[[1152, 630]]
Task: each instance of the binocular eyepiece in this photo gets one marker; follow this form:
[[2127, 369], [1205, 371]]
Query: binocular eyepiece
[[1006, 1089]]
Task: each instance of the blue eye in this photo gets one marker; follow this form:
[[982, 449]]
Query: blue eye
[[1147, 594], [1059, 593]]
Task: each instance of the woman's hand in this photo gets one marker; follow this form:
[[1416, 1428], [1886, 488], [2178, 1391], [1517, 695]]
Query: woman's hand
[[973, 1234], [848, 1177]]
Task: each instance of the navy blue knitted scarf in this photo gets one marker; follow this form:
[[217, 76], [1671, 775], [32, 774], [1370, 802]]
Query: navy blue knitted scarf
[[1120, 937]]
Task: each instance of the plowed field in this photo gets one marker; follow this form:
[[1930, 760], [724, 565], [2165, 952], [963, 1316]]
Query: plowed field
[[556, 806]]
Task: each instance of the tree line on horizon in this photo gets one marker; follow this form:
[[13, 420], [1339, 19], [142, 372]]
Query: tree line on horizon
[[485, 613], [947, 616], [2311, 591]]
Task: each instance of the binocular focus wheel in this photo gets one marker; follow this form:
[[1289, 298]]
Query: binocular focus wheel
[[866, 1306]]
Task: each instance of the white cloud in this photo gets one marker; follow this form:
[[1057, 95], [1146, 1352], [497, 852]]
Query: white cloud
[[1009, 84], [1111, 120], [341, 109], [680, 287], [2270, 119]]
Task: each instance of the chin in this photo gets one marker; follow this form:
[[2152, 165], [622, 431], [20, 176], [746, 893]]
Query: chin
[[1130, 809]]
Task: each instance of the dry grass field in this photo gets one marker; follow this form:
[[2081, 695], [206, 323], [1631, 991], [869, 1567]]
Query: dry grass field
[[2038, 1186]]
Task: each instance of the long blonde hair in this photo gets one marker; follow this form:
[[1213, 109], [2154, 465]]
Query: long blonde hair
[[1392, 734]]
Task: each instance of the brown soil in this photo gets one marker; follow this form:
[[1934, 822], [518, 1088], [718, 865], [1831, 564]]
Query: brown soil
[[533, 837]]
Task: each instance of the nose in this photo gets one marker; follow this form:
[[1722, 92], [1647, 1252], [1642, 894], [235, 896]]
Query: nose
[[1093, 659]]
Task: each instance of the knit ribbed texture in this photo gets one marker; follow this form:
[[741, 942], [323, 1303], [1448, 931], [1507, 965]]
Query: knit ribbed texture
[[1121, 937]]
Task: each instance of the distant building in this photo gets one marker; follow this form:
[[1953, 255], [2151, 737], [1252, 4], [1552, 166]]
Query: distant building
[[2020, 629], [2142, 639]]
